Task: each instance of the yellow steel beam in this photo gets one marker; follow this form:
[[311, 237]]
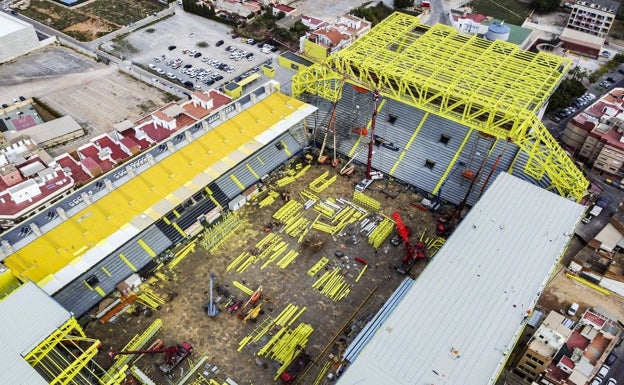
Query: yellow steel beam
[[40, 351], [452, 162], [73, 369]]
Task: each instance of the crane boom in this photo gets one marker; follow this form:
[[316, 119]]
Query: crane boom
[[370, 174]]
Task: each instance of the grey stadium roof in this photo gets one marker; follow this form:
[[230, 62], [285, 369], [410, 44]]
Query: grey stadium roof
[[27, 316], [462, 316]]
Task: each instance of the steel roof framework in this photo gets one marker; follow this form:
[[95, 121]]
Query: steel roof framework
[[494, 87]]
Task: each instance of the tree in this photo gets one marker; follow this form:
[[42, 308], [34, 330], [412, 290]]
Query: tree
[[401, 4], [569, 89], [545, 6]]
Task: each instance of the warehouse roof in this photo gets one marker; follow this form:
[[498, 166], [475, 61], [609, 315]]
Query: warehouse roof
[[10, 24], [27, 316], [461, 318]]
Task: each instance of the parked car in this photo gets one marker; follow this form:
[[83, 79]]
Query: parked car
[[606, 54], [603, 371], [172, 47], [611, 358], [219, 43], [612, 381], [555, 118], [573, 309], [197, 54], [610, 80]]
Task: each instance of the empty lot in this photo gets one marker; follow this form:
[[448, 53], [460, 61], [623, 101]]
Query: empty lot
[[94, 94]]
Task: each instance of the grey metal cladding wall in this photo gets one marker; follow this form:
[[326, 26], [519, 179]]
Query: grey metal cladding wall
[[427, 145], [271, 157], [78, 298]]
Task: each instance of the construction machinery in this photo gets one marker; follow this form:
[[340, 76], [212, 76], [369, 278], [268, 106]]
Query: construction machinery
[[371, 175], [413, 252], [173, 355], [296, 366], [210, 307]]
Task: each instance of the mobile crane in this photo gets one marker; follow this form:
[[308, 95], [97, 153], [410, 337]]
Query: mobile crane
[[413, 252], [371, 175], [173, 355]]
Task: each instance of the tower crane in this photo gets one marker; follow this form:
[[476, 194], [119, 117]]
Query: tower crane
[[413, 252], [371, 175]]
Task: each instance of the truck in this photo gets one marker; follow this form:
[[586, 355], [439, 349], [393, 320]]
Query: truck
[[592, 213]]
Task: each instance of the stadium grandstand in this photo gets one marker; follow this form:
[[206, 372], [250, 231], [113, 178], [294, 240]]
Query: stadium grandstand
[[453, 109], [80, 249]]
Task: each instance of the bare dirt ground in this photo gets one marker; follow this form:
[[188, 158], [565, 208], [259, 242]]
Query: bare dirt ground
[[218, 337]]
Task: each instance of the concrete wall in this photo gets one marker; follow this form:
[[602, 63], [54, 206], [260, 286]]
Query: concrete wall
[[17, 42]]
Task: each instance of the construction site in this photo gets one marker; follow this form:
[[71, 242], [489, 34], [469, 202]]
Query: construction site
[[270, 241]]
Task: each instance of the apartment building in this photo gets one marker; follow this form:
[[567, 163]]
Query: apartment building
[[589, 25]]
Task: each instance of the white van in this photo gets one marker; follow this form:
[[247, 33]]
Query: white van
[[573, 309]]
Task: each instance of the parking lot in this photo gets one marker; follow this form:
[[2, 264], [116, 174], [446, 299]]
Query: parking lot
[[94, 94], [165, 51]]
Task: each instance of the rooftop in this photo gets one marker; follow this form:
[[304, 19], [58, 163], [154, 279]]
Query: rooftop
[[463, 279], [10, 24]]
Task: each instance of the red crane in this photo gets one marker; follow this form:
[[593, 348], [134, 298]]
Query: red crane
[[370, 174], [413, 252], [174, 355]]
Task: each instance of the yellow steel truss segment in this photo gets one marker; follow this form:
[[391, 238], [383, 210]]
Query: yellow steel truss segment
[[68, 374], [41, 350], [491, 86]]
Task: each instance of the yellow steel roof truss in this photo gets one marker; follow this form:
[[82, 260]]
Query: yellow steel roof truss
[[492, 86]]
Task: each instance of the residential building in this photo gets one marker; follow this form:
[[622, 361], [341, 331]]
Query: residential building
[[594, 136], [588, 25], [550, 336], [329, 38]]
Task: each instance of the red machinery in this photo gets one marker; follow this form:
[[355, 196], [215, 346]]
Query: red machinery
[[413, 252], [371, 175], [174, 355], [295, 367]]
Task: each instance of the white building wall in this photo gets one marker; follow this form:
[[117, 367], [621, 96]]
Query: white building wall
[[16, 41]]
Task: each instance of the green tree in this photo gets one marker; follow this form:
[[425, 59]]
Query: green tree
[[401, 4], [544, 6], [569, 89]]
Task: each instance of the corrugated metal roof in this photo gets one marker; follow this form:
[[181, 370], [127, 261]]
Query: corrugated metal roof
[[459, 321], [27, 316]]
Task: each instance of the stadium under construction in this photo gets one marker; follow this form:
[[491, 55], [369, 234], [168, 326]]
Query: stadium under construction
[[454, 112]]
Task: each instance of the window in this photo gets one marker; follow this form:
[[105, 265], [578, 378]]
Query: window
[[444, 139], [392, 118], [429, 164], [92, 280]]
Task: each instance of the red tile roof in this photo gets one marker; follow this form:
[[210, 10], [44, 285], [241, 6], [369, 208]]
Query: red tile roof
[[594, 318], [596, 348], [576, 340], [117, 154], [156, 133], [566, 361], [129, 142], [50, 189], [143, 143], [77, 172]]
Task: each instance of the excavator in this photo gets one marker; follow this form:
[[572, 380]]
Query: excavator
[[173, 355], [413, 252]]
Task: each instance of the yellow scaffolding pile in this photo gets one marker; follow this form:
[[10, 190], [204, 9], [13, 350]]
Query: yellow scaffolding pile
[[287, 259], [269, 249], [308, 196], [150, 299], [381, 232], [285, 345], [291, 209], [215, 237], [136, 343], [286, 318], [182, 253], [339, 221], [292, 176], [333, 285], [269, 199], [318, 266], [322, 182], [370, 204]]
